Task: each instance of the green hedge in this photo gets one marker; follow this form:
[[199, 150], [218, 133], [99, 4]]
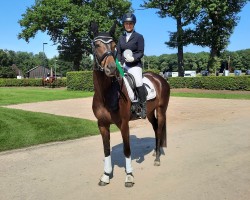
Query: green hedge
[[80, 80], [211, 82], [12, 82], [152, 70], [83, 80]]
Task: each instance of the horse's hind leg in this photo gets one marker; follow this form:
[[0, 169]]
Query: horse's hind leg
[[152, 119], [105, 132], [160, 133], [158, 124]]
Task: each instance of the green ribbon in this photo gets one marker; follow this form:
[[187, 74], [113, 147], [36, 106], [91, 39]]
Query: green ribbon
[[119, 67]]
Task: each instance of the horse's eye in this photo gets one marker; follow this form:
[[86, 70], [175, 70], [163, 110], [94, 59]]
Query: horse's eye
[[97, 45], [113, 46]]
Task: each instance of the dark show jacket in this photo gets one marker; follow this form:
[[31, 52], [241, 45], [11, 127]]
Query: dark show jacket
[[135, 44]]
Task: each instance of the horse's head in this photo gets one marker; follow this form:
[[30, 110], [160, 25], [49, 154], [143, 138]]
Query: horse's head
[[104, 50]]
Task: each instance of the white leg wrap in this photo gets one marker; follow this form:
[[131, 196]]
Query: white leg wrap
[[107, 165], [129, 168], [104, 178]]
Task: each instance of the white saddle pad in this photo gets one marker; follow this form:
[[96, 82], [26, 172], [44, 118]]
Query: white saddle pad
[[149, 86]]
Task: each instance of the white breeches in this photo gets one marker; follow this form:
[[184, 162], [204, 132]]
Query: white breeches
[[137, 73]]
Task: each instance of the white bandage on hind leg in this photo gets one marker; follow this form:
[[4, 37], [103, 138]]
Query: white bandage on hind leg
[[129, 168], [107, 164]]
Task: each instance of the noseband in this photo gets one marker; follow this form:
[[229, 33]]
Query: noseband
[[98, 60]]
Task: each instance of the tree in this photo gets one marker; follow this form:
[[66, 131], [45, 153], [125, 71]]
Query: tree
[[4, 58], [183, 12], [67, 23], [214, 26], [25, 61], [5, 63], [86, 63], [245, 55]]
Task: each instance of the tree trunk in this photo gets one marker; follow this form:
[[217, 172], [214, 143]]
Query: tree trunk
[[211, 63], [180, 47], [76, 64]]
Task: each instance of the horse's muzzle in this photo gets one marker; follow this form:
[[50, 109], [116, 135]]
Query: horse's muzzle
[[110, 69]]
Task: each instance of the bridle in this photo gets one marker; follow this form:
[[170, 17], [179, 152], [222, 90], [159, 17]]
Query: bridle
[[98, 60]]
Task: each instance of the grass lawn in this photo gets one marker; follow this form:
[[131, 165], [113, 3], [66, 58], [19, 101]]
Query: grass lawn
[[211, 95], [20, 129], [31, 94]]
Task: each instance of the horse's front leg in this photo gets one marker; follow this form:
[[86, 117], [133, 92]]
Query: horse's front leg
[[105, 132], [129, 181]]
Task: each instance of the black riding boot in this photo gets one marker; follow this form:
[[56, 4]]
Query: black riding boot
[[142, 100]]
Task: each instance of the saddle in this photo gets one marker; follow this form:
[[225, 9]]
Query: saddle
[[131, 87], [112, 96], [132, 93]]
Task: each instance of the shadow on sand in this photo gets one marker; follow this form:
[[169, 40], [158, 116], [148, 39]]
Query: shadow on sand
[[140, 147]]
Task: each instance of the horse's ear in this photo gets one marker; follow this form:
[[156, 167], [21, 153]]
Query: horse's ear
[[112, 29], [94, 28]]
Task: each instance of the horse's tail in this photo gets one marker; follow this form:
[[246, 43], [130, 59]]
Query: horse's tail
[[164, 135]]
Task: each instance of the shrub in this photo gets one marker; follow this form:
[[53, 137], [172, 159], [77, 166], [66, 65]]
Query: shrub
[[80, 80], [211, 82], [32, 82]]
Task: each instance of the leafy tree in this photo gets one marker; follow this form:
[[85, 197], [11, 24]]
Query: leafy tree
[[10, 62], [183, 12], [150, 62], [4, 58], [86, 63], [213, 20], [24, 61], [236, 61], [214, 25], [245, 58], [202, 60], [6, 72], [67, 23], [5, 65]]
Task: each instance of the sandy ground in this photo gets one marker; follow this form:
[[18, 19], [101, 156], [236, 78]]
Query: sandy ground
[[208, 157]]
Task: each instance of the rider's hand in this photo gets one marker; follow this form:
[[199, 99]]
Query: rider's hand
[[129, 58]]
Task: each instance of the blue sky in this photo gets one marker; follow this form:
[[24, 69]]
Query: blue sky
[[154, 29]]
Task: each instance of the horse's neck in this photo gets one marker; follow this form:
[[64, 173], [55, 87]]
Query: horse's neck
[[102, 83]]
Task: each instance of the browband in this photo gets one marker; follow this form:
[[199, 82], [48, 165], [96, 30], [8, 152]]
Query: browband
[[103, 39]]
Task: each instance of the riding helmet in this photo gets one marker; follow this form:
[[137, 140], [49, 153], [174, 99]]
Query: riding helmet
[[129, 17]]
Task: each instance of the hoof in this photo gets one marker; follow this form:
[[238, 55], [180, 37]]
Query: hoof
[[157, 163], [101, 183], [129, 182], [104, 180]]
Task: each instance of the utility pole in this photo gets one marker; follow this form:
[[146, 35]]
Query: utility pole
[[55, 68], [44, 60]]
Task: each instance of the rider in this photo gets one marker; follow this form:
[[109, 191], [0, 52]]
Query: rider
[[132, 64], [48, 75]]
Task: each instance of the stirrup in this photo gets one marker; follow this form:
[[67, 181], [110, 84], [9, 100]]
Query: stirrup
[[143, 110]]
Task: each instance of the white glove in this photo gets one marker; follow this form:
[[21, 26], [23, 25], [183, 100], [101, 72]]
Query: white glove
[[129, 58]]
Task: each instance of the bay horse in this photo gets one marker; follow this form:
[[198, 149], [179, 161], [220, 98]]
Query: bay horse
[[109, 87], [48, 81]]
